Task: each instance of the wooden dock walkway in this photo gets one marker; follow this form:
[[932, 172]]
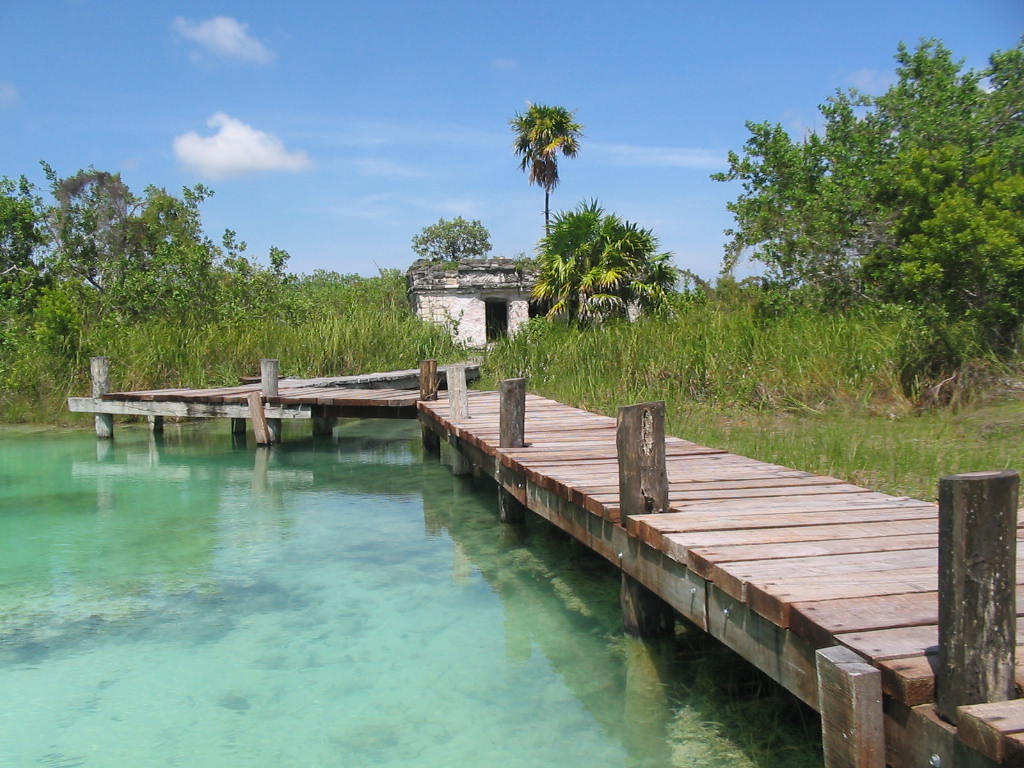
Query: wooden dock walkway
[[829, 588], [775, 562]]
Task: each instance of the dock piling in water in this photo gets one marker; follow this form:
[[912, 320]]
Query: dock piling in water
[[428, 391], [270, 372], [511, 434], [99, 369], [458, 410]]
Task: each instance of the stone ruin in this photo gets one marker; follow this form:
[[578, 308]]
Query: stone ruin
[[479, 300]]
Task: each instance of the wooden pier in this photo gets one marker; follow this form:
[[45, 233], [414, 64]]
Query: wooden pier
[[895, 618]]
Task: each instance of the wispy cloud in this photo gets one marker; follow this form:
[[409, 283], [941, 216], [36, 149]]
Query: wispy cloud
[[9, 95], [871, 81], [638, 156], [236, 148], [505, 64], [387, 169], [224, 37]]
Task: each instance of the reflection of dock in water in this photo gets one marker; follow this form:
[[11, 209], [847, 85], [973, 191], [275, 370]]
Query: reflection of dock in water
[[624, 682]]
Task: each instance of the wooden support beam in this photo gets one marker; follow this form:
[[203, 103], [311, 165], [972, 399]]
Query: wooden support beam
[[512, 414], [270, 372], [511, 434], [431, 437], [323, 425], [643, 489], [259, 421], [644, 614], [458, 395], [428, 379], [977, 597], [850, 702], [237, 426], [640, 443], [239, 411], [99, 370], [458, 410], [156, 424]]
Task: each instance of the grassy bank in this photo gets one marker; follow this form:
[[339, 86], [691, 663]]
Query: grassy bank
[[854, 395], [360, 325]]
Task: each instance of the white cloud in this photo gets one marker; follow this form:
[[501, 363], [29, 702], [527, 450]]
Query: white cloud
[[8, 94], [387, 169], [236, 148], [654, 157], [871, 80], [225, 37], [505, 64]]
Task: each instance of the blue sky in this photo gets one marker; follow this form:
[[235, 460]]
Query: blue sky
[[338, 130]]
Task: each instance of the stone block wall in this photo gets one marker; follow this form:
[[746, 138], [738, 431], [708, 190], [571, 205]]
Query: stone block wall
[[456, 295]]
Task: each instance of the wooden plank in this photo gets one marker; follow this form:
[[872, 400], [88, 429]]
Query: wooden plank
[[181, 409], [820, 621], [259, 420], [911, 679], [882, 644], [850, 702], [993, 729]]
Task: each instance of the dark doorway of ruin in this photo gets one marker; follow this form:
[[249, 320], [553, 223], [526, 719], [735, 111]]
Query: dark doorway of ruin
[[496, 319]]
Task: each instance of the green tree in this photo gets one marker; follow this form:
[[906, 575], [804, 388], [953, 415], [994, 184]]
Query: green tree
[[452, 240], [595, 266], [910, 196], [541, 133]]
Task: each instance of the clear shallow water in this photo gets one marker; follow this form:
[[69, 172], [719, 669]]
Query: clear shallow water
[[189, 602]]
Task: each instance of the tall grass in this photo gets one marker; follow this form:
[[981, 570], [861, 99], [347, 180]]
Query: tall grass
[[836, 394], [365, 325]]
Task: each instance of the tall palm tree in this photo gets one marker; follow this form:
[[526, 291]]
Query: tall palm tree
[[595, 265], [540, 134]]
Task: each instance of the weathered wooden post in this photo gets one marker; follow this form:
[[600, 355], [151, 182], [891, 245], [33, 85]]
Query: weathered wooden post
[[237, 426], [850, 702], [643, 490], [458, 395], [511, 434], [458, 410], [428, 380], [270, 372], [977, 592], [99, 370], [323, 425], [428, 391]]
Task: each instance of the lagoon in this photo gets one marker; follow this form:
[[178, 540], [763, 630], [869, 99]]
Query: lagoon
[[185, 600]]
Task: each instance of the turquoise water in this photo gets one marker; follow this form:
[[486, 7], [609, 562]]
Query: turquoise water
[[188, 601]]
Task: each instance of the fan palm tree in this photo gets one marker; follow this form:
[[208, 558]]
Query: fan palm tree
[[540, 134], [595, 265]]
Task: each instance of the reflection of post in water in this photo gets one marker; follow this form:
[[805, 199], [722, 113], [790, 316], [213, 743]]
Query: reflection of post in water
[[262, 486], [645, 710], [462, 566], [105, 501], [156, 444]]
